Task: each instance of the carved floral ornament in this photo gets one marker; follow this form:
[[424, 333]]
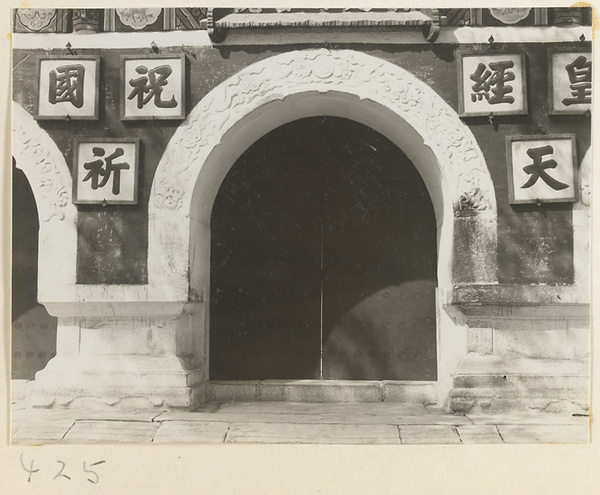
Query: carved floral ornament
[[49, 180], [36, 19], [138, 18], [322, 70], [510, 15]]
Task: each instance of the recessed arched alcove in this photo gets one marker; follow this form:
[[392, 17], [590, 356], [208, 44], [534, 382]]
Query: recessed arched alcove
[[323, 259]]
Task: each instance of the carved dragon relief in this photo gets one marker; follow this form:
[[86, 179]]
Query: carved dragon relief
[[323, 70], [43, 173]]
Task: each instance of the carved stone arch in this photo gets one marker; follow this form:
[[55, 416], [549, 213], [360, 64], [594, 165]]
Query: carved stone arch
[[307, 83], [37, 155]]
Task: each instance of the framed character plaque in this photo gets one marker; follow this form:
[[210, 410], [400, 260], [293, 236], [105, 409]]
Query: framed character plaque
[[542, 169], [569, 81], [152, 87], [491, 83], [105, 171], [67, 87]]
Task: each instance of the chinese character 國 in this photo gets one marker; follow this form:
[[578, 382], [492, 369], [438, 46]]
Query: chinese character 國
[[104, 167], [66, 85], [580, 77], [491, 84], [538, 168], [150, 86]]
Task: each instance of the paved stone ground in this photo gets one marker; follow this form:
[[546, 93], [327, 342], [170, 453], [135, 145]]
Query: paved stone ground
[[284, 422]]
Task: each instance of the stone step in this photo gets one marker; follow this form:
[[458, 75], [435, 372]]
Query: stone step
[[523, 382], [500, 400], [501, 365], [116, 397], [323, 391]]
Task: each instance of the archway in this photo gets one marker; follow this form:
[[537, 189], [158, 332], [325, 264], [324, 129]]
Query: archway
[[296, 85], [323, 260], [301, 84]]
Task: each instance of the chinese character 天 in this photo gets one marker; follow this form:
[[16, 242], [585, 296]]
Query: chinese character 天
[[537, 170]]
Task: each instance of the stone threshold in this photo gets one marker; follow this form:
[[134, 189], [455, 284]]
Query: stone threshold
[[419, 392]]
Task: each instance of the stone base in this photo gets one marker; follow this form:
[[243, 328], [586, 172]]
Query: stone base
[[323, 391], [117, 381], [494, 385]]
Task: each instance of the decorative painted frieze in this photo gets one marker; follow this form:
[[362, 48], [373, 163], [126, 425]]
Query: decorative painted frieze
[[87, 20], [36, 20], [511, 15], [138, 18]]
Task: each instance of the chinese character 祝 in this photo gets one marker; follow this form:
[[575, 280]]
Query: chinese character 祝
[[580, 77], [493, 80], [97, 170], [151, 86], [538, 168], [66, 84]]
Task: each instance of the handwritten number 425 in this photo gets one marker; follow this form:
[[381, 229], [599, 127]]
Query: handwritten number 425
[[93, 476]]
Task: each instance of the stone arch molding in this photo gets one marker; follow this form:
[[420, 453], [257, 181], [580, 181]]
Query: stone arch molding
[[300, 84], [37, 155]]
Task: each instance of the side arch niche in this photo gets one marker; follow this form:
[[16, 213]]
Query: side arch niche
[[36, 154]]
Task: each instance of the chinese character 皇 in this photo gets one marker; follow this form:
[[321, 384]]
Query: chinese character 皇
[[580, 77], [66, 84], [97, 170], [151, 86], [493, 80], [538, 168]]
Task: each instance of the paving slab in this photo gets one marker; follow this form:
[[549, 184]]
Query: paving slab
[[311, 418], [544, 433], [39, 433], [111, 432], [191, 432], [479, 434], [508, 418], [36, 414], [312, 433], [428, 434]]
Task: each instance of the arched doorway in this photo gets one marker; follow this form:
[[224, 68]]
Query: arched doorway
[[323, 259], [292, 86]]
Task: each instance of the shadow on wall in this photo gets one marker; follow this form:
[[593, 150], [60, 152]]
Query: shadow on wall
[[390, 334], [33, 329], [323, 239]]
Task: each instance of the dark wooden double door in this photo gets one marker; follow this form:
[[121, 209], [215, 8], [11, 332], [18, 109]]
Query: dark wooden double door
[[323, 260]]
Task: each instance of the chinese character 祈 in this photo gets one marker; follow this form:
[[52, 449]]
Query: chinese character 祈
[[493, 80], [538, 168], [97, 170], [151, 86], [580, 77], [66, 84]]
